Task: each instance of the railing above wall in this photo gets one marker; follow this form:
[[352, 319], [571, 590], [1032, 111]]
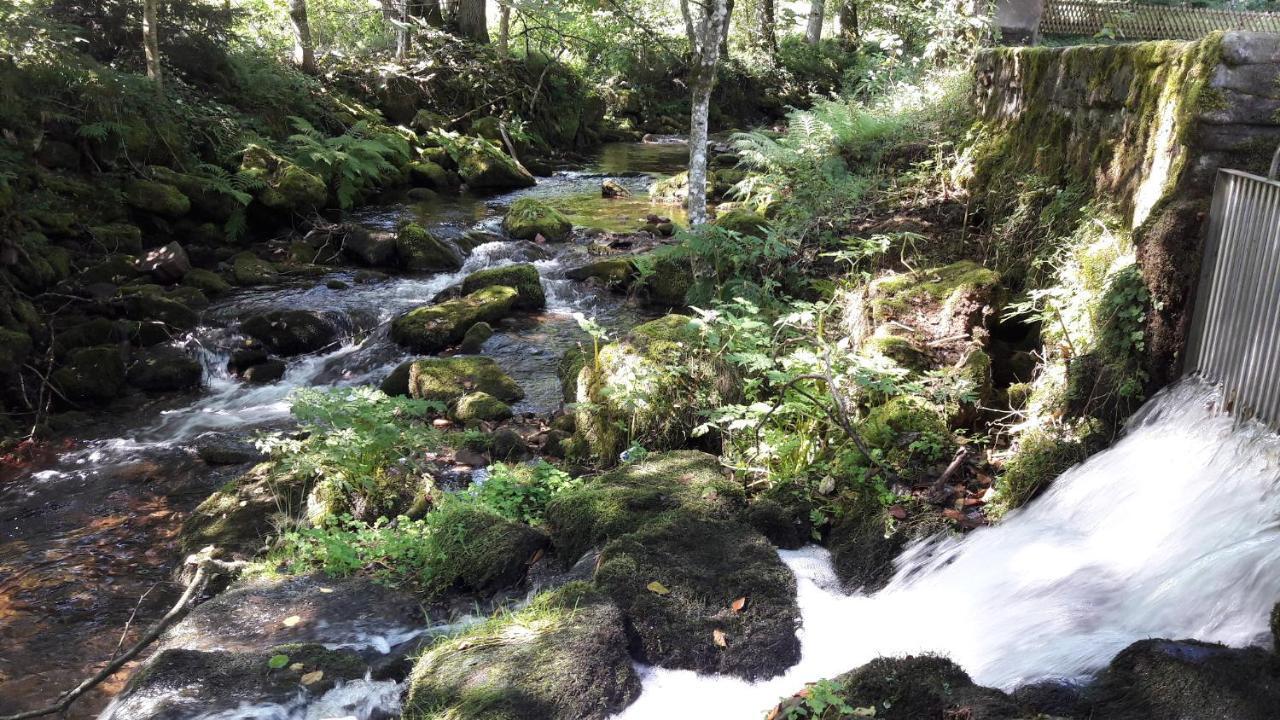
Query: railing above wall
[[1138, 21], [1235, 331]]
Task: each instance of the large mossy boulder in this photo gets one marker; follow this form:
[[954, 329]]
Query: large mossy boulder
[[1184, 679], [145, 303], [448, 379], [238, 518], [92, 374], [156, 198], [521, 276], [433, 328], [942, 302], [428, 174], [206, 281], [485, 167], [636, 494], [164, 369], [911, 688], [667, 279], [249, 269], [678, 580], [484, 552], [477, 407], [562, 658], [613, 273], [654, 384], [420, 251], [743, 222], [527, 218], [285, 186], [291, 332]]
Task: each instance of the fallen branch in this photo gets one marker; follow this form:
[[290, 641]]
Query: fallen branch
[[206, 568]]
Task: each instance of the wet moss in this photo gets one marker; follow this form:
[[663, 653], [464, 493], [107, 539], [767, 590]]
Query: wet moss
[[521, 276], [476, 407], [447, 379], [432, 328], [568, 369], [92, 374], [1039, 457], [743, 222], [421, 251], [476, 337], [249, 269], [157, 198], [528, 217]]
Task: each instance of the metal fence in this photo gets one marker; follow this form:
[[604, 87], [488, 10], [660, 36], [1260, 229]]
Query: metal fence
[[1137, 21], [1235, 331]]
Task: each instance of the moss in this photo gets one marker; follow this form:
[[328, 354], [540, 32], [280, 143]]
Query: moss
[[562, 658], [286, 187], [476, 337], [447, 379], [421, 251], [476, 407], [155, 306], [743, 222], [15, 347], [568, 369], [432, 328], [115, 269], [427, 174], [118, 237], [521, 276], [249, 269], [911, 434], [786, 525], [1041, 455], [156, 198], [616, 272], [667, 279], [93, 374], [649, 388], [950, 287], [484, 167], [208, 282], [625, 499], [482, 551], [165, 370], [704, 565], [901, 351], [528, 218], [239, 516]]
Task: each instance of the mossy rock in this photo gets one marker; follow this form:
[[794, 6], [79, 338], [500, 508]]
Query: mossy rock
[[521, 276], [206, 281], [118, 237], [477, 335], [206, 199], [743, 222], [143, 306], [477, 407], [238, 518], [905, 352], [702, 567], [420, 251], [291, 332], [90, 332], [1040, 455], [447, 379], [528, 218], [432, 328], [657, 382], [286, 187], [973, 373], [427, 174], [914, 688], [157, 198], [911, 434], [948, 301], [92, 374], [568, 369], [15, 347], [613, 273], [667, 279], [786, 524], [249, 269], [1176, 680], [114, 269], [633, 495], [562, 658], [486, 552], [164, 369], [485, 167]]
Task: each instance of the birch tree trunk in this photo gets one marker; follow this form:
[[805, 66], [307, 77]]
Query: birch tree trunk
[[767, 26], [504, 28], [151, 42], [304, 54], [813, 32], [848, 16], [709, 31]]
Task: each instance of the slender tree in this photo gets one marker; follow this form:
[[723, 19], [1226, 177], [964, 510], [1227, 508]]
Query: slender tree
[[151, 42], [767, 26], [709, 29], [724, 38], [504, 28], [848, 16], [690, 32], [304, 53], [813, 32]]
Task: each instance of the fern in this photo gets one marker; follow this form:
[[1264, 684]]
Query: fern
[[354, 161]]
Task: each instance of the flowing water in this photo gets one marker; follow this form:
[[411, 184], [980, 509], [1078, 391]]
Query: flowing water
[[1174, 532], [88, 532]]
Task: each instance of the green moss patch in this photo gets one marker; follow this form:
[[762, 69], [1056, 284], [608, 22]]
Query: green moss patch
[[432, 328], [521, 276], [528, 218], [447, 379]]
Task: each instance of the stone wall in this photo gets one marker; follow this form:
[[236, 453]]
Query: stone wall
[[1144, 125]]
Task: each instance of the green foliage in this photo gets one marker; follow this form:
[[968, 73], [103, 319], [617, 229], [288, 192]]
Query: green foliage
[[521, 492], [825, 698], [355, 161], [724, 263]]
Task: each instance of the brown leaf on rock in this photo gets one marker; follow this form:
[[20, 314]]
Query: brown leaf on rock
[[739, 605], [897, 512]]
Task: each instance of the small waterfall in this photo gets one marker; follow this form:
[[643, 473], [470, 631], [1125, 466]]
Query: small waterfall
[[1173, 532]]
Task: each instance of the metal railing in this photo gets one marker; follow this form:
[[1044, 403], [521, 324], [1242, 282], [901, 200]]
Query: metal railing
[[1235, 330], [1142, 21]]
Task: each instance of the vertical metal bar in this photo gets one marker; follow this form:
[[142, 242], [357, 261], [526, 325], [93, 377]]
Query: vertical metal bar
[[1259, 242], [1210, 258]]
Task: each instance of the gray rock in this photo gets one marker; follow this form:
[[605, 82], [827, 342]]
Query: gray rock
[[1242, 109], [226, 449], [1250, 48], [369, 247], [1251, 79], [167, 264]]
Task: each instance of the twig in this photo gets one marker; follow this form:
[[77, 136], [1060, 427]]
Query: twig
[[129, 623], [205, 568]]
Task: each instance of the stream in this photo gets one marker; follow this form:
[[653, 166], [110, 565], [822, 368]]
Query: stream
[[88, 531]]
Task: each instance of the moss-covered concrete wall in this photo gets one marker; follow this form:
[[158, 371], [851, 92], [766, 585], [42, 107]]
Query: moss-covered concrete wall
[[1143, 127]]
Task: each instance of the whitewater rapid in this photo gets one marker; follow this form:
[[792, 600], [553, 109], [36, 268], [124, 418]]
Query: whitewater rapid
[[1173, 532]]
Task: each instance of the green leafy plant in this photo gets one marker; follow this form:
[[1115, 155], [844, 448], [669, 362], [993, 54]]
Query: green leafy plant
[[355, 161], [521, 492]]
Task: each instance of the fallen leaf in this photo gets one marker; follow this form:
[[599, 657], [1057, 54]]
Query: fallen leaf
[[292, 620], [718, 636], [898, 512], [537, 555], [658, 588], [297, 667], [275, 662], [312, 678], [827, 486], [738, 604]]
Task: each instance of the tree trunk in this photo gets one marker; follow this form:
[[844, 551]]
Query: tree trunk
[[767, 26], [813, 32], [711, 28], [849, 29], [724, 38], [504, 28], [428, 11], [304, 54], [471, 20], [151, 42], [400, 11], [691, 34]]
